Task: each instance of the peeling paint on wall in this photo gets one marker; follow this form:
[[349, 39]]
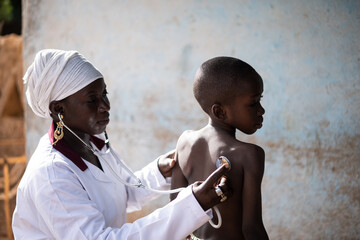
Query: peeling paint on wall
[[307, 53]]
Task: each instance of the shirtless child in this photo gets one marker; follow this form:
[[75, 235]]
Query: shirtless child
[[229, 91]]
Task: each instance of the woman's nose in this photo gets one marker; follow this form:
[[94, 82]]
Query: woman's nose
[[104, 105], [261, 110]]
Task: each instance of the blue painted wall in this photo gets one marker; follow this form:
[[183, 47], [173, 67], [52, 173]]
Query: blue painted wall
[[306, 51]]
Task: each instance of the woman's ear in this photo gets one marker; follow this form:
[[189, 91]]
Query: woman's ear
[[218, 111], [55, 108]]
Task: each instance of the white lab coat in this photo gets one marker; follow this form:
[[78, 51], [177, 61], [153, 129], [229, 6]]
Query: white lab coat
[[58, 200]]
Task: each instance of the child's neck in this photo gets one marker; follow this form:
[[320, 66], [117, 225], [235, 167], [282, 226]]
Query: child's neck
[[221, 127]]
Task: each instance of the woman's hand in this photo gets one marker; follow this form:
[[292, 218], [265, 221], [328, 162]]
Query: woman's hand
[[166, 162], [205, 193]]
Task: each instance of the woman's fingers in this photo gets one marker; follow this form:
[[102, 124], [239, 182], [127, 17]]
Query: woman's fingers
[[209, 193], [225, 186], [216, 176]]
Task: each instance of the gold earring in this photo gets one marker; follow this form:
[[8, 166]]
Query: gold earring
[[59, 131]]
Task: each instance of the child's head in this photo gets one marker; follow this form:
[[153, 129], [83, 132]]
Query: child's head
[[229, 90]]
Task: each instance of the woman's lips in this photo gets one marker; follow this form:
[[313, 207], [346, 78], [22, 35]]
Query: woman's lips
[[104, 122]]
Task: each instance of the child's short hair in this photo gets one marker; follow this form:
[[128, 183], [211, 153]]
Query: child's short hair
[[219, 80]]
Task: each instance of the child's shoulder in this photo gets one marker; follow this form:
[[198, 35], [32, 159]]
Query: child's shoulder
[[188, 137], [250, 149], [187, 133], [249, 154]]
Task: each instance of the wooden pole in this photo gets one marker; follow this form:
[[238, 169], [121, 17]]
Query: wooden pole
[[7, 199], [9, 193]]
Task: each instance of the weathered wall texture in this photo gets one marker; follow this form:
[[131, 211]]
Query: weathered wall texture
[[12, 139], [307, 52]]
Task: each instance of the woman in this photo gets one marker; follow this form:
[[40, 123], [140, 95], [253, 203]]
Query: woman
[[68, 190]]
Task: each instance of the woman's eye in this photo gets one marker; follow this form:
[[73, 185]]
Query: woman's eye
[[254, 104], [92, 100]]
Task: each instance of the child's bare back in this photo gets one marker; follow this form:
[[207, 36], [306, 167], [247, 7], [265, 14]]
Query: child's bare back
[[197, 152], [247, 161]]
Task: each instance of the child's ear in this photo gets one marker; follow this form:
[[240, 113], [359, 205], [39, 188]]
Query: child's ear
[[218, 111], [55, 108]]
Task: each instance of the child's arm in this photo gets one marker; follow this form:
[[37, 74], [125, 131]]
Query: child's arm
[[253, 227], [178, 179]]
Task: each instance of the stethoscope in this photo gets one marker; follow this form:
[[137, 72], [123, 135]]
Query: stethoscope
[[139, 183]]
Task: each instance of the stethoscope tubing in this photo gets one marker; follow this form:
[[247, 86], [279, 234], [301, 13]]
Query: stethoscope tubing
[[139, 184]]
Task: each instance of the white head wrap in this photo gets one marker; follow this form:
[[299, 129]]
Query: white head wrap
[[55, 75]]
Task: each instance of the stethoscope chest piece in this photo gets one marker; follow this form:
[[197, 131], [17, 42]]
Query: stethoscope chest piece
[[221, 161]]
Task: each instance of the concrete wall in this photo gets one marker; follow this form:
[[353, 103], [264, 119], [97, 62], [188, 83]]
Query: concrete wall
[[306, 51]]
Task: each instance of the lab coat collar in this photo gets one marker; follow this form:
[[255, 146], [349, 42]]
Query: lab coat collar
[[62, 147]]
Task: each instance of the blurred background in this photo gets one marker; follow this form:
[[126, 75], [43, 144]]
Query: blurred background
[[307, 52]]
